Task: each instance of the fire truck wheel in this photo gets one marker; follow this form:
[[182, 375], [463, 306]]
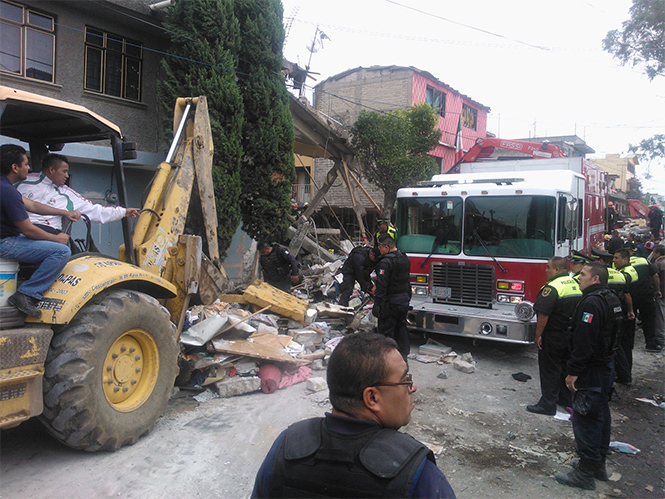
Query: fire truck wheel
[[110, 372]]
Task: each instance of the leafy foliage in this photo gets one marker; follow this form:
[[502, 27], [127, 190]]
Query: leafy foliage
[[392, 148], [641, 39], [205, 42], [268, 170], [650, 150]]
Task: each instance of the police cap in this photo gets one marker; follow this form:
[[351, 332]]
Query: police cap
[[579, 257]]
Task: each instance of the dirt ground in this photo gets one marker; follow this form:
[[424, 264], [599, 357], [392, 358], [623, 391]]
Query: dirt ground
[[489, 445]]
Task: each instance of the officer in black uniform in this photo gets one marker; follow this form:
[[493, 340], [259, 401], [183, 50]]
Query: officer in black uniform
[[393, 293], [554, 305], [280, 268], [644, 293], [357, 267], [356, 450], [593, 342], [618, 284]]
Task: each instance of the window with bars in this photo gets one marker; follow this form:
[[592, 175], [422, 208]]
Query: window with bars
[[27, 42], [469, 117], [112, 64]]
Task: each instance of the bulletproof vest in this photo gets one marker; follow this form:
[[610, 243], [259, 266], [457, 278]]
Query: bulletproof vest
[[274, 266], [348, 264], [609, 331], [313, 461], [400, 274]]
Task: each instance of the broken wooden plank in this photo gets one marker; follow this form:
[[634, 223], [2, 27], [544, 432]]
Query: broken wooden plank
[[256, 349], [234, 299]]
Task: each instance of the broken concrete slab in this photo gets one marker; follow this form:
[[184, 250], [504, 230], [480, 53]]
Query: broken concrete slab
[[316, 384], [265, 347], [434, 350], [237, 385], [203, 331], [331, 310], [306, 337], [465, 367]]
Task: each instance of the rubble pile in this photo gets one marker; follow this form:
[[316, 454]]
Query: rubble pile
[[263, 339]]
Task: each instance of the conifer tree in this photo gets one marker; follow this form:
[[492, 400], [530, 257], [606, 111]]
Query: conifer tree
[[267, 170], [205, 40]]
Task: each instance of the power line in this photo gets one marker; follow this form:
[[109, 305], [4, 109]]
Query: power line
[[467, 25]]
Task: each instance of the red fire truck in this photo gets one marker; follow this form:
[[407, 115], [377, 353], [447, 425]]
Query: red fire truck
[[479, 241]]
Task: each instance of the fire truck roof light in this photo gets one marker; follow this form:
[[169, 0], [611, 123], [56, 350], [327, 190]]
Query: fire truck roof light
[[464, 193], [483, 192], [414, 193], [518, 191], [444, 193]]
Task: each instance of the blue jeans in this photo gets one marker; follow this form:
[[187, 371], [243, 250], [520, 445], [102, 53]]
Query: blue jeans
[[50, 258]]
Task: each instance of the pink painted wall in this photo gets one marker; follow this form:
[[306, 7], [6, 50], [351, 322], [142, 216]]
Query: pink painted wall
[[448, 123]]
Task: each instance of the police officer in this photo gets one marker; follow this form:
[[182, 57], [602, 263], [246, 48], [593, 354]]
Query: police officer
[[554, 306], [618, 284], [624, 357], [383, 225], [593, 341], [280, 268], [392, 293], [644, 293], [356, 450], [577, 261], [357, 267]]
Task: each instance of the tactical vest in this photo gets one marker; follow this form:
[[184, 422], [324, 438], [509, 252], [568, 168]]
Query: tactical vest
[[400, 274], [347, 268], [275, 266], [609, 332], [313, 461]]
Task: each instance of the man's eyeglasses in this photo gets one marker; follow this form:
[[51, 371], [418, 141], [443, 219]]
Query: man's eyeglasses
[[408, 380]]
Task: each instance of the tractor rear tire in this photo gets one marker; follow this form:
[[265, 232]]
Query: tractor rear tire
[[110, 372]]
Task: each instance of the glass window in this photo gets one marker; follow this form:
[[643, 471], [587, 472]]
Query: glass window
[[28, 42], [112, 64], [429, 225], [469, 117], [436, 99], [510, 226]]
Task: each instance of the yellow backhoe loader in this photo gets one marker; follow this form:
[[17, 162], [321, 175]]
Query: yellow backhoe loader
[[98, 366]]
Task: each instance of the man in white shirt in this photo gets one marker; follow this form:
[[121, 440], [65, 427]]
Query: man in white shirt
[[48, 187]]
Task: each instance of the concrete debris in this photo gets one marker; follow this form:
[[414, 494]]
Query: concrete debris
[[434, 350], [317, 365], [442, 375], [316, 384], [427, 359], [615, 477], [237, 386], [467, 357], [464, 366]]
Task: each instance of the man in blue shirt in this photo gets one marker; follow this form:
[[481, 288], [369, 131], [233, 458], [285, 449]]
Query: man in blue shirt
[[356, 451], [21, 240]]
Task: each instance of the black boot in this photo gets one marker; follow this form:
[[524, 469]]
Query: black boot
[[599, 472], [581, 477]]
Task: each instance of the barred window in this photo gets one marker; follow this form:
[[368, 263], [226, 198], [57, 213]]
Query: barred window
[[27, 42], [112, 64], [469, 117]]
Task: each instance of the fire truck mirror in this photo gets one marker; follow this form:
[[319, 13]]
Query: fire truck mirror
[[571, 214]]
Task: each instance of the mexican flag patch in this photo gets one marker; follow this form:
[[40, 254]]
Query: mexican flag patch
[[382, 271], [587, 318]]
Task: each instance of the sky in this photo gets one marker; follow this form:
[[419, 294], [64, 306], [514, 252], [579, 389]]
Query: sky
[[538, 65]]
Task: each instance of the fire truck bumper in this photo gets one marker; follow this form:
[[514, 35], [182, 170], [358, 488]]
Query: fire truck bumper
[[497, 324]]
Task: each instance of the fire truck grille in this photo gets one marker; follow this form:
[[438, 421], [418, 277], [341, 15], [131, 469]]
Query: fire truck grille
[[468, 284]]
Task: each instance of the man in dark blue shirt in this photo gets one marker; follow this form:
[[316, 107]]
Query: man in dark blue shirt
[[356, 451], [21, 240]]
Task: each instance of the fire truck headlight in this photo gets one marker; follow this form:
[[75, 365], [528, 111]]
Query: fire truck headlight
[[524, 311], [503, 298], [516, 299], [419, 290]]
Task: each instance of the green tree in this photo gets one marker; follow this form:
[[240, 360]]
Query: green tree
[[392, 148], [650, 150], [268, 170], [641, 39], [205, 40]]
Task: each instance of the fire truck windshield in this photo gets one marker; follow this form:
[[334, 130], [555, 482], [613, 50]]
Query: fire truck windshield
[[430, 225], [509, 226]]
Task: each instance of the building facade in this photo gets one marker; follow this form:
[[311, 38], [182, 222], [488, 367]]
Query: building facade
[[387, 88], [104, 56]]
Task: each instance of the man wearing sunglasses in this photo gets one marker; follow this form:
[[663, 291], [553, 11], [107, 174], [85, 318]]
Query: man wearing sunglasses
[[356, 450]]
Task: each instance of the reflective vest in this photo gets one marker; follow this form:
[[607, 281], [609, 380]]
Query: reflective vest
[[616, 282], [630, 270], [565, 286], [391, 231]]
